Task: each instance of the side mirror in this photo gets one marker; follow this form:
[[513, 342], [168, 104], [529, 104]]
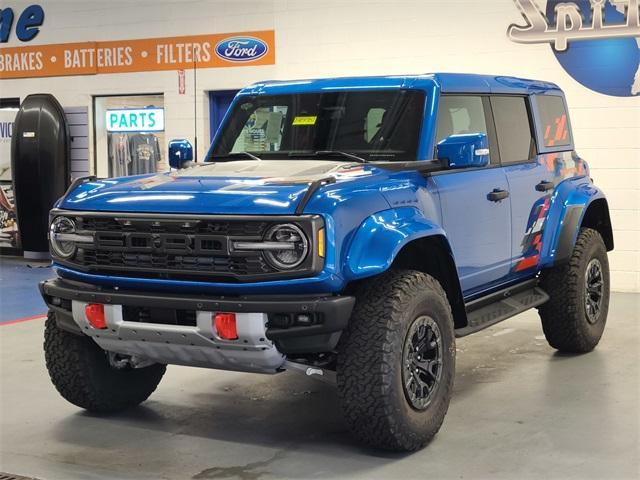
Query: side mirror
[[180, 153], [464, 150]]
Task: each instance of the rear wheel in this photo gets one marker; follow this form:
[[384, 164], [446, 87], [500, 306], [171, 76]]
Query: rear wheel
[[396, 361], [574, 318], [91, 378]]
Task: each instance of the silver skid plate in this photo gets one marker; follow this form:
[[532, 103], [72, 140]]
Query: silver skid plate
[[198, 346]]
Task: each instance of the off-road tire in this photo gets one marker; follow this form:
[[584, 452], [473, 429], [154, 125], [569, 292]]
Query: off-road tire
[[80, 371], [564, 317], [370, 361]]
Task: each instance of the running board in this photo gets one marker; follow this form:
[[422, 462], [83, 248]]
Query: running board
[[481, 315]]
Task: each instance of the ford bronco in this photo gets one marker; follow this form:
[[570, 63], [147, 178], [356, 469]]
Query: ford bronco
[[350, 229]]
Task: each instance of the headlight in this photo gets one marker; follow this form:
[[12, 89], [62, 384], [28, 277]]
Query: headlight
[[60, 232], [64, 237], [287, 246]]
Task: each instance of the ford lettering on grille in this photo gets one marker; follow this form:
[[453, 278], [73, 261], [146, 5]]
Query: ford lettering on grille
[[241, 49]]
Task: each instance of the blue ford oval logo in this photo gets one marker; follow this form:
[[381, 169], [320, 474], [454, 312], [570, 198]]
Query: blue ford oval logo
[[241, 49]]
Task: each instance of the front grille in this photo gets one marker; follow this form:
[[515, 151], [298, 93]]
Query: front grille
[[214, 227], [179, 248], [176, 263]]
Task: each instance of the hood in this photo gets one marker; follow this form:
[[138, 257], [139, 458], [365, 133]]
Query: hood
[[271, 187]]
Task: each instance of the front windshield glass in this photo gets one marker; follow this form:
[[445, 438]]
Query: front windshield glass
[[374, 125]]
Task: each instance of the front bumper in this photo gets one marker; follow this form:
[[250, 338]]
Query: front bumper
[[198, 344]]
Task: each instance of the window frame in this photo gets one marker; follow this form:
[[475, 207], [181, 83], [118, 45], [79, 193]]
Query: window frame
[[532, 129]]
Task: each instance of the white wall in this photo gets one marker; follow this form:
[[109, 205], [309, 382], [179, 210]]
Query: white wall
[[319, 38]]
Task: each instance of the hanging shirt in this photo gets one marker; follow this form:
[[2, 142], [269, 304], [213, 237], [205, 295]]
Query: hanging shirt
[[145, 153], [119, 155]]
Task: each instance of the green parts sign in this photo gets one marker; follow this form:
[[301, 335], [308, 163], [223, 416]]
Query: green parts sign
[[135, 120]]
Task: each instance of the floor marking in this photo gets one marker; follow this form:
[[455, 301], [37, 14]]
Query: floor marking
[[504, 332], [21, 320]]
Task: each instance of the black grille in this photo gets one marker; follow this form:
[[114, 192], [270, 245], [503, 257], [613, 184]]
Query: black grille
[[172, 248], [213, 227]]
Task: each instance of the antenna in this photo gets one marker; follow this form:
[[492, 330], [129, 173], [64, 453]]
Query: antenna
[[195, 105]]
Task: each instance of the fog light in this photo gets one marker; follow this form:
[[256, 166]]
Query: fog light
[[95, 315], [225, 325]]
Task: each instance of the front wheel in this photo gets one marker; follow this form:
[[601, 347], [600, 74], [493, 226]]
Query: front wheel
[[84, 375], [396, 361], [574, 318]]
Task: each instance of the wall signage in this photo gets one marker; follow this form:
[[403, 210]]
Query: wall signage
[[242, 49], [27, 26], [142, 55], [7, 117], [135, 120], [596, 41]]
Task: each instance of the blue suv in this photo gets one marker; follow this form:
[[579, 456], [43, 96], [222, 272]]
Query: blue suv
[[349, 229]]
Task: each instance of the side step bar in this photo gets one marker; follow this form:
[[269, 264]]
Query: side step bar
[[505, 304]]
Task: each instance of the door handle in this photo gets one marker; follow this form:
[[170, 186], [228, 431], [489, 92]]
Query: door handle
[[497, 195], [543, 186]]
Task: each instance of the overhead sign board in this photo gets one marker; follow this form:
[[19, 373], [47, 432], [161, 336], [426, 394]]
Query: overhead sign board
[[135, 120], [142, 55]]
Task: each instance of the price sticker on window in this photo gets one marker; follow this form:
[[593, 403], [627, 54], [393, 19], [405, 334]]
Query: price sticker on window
[[304, 121]]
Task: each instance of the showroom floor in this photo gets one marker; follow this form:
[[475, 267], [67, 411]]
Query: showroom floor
[[519, 411]]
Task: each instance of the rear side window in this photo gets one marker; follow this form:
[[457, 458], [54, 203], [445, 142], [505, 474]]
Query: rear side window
[[513, 128], [554, 120]]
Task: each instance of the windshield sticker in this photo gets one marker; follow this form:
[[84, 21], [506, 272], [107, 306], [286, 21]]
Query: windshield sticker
[[304, 121]]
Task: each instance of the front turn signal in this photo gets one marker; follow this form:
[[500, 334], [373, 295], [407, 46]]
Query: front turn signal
[[321, 243]]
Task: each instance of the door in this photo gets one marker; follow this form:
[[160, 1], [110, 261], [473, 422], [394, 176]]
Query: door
[[530, 183], [478, 224], [219, 103]]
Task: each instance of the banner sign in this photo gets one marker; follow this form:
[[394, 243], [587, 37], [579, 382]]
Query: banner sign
[[142, 55], [135, 120], [7, 117]]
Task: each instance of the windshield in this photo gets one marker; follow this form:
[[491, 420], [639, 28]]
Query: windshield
[[374, 125]]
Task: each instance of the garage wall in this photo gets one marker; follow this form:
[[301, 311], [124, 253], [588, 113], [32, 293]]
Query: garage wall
[[318, 38]]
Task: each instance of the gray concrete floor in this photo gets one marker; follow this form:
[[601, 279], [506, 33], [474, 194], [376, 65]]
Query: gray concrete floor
[[519, 411]]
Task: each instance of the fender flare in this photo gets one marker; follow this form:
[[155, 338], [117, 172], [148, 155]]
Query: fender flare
[[569, 207], [380, 238]]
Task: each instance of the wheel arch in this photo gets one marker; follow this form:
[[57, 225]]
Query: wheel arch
[[597, 217], [573, 208], [432, 255], [403, 238]]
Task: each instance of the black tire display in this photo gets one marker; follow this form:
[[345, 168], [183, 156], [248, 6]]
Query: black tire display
[[81, 372], [396, 361], [574, 318]]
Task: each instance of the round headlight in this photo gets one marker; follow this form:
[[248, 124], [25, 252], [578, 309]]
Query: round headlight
[[62, 248], [295, 246]]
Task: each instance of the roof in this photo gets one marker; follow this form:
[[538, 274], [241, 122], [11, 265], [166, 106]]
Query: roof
[[447, 82]]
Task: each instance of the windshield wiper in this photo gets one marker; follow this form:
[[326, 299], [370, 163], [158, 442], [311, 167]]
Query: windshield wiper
[[236, 154], [329, 153]]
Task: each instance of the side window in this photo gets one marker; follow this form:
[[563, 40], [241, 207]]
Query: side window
[[513, 129], [554, 120], [460, 114]]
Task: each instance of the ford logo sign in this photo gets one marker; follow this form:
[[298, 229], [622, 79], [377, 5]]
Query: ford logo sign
[[241, 49]]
